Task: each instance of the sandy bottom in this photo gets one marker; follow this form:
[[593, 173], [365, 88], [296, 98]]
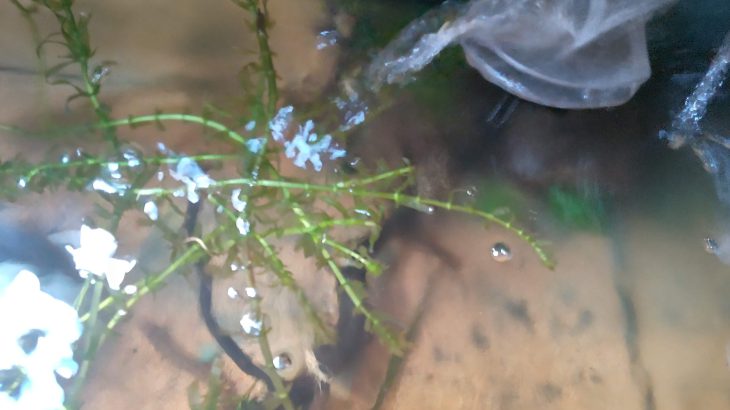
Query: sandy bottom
[[594, 333]]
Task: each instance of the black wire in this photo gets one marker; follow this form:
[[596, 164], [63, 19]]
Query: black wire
[[205, 301]]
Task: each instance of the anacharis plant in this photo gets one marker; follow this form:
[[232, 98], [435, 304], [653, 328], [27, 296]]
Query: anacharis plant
[[255, 209]]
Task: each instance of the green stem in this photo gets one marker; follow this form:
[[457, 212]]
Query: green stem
[[378, 327], [261, 22], [195, 119], [146, 285], [281, 392], [76, 36], [90, 341], [345, 187], [138, 120], [261, 16], [299, 230], [370, 265], [286, 280], [284, 276], [82, 294], [37, 169]]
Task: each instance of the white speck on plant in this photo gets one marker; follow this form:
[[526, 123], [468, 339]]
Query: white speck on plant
[[243, 226], [238, 204], [250, 325], [255, 145], [232, 293], [150, 209], [189, 172], [250, 292]]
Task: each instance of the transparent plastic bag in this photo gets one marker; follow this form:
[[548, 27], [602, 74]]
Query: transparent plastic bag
[[559, 53]]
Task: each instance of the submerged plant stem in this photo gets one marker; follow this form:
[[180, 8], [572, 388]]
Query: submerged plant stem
[[386, 335], [285, 277], [279, 389], [286, 280], [74, 31], [148, 284], [90, 342], [348, 188], [195, 119]]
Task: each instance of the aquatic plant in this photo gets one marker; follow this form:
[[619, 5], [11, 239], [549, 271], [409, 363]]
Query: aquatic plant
[[254, 210]]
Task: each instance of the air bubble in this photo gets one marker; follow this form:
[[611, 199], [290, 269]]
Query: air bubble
[[282, 362], [132, 157], [162, 148], [99, 73], [113, 168], [22, 182], [326, 38], [501, 252], [130, 289], [711, 245], [363, 212], [109, 187], [463, 196], [418, 206]]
